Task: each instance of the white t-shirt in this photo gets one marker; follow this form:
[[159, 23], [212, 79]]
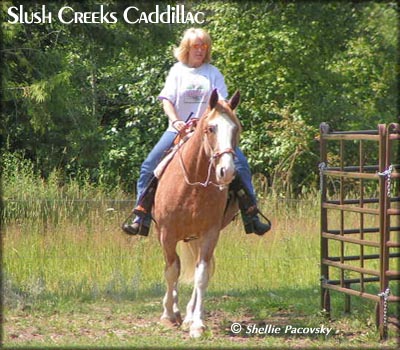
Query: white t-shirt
[[189, 89]]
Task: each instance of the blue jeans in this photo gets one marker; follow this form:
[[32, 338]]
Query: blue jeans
[[164, 144]]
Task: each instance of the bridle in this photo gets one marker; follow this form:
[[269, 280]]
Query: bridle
[[211, 163]]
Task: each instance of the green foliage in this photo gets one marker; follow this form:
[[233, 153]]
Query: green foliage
[[139, 120], [82, 98], [300, 64]]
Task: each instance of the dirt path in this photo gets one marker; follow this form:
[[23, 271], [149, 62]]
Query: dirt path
[[127, 324]]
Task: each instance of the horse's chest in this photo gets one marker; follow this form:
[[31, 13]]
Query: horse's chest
[[197, 207], [201, 205]]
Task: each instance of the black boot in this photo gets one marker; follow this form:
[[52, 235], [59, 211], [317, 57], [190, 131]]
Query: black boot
[[141, 224], [248, 209], [252, 224]]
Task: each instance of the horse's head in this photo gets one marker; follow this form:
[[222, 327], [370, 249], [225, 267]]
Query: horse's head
[[222, 129]]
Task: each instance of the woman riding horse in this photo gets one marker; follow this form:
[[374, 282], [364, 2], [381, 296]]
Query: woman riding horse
[[186, 93], [191, 206]]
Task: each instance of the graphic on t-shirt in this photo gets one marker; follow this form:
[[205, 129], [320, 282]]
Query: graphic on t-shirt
[[196, 91]]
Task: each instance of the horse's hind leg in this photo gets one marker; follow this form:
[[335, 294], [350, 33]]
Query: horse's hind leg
[[171, 312]]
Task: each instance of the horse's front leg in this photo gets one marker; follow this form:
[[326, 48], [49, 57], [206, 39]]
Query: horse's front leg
[[171, 314], [187, 322], [202, 275], [196, 304]]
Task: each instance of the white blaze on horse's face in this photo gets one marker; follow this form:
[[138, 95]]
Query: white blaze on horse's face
[[225, 133]]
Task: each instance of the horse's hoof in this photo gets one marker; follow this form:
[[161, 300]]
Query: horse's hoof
[[178, 318], [186, 324], [196, 332], [169, 323]]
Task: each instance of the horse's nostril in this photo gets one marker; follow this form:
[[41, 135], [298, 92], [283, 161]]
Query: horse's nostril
[[222, 172]]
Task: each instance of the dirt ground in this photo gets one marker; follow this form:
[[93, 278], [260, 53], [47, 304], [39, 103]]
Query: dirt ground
[[101, 325]]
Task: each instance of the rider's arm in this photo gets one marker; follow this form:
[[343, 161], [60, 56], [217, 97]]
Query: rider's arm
[[170, 111]]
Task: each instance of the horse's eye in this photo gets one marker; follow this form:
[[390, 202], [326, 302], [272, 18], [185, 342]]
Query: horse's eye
[[211, 128]]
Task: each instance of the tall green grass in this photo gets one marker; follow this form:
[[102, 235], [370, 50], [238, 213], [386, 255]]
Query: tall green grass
[[62, 242], [68, 249]]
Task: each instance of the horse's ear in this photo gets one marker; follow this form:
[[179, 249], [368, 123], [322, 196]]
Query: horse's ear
[[234, 101], [213, 99]]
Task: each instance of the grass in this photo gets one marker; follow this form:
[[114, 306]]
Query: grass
[[72, 278]]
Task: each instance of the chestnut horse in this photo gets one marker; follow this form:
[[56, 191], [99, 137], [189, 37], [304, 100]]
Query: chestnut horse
[[191, 205]]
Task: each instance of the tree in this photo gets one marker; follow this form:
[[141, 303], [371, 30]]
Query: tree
[[298, 64], [82, 97]]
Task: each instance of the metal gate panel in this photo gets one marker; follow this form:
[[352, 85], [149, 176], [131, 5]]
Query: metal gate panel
[[365, 251]]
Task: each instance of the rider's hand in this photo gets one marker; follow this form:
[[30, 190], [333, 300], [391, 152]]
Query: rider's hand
[[179, 125]]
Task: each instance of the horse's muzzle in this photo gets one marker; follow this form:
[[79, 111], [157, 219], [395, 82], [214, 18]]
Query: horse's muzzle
[[225, 169]]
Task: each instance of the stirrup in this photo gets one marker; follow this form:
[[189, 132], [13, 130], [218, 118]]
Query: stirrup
[[136, 229], [140, 211], [264, 217]]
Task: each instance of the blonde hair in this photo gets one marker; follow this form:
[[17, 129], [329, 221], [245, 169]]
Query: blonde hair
[[181, 52]]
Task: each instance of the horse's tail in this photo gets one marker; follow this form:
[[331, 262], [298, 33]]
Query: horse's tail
[[189, 252]]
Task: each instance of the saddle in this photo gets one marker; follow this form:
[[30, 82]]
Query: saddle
[[146, 200]]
